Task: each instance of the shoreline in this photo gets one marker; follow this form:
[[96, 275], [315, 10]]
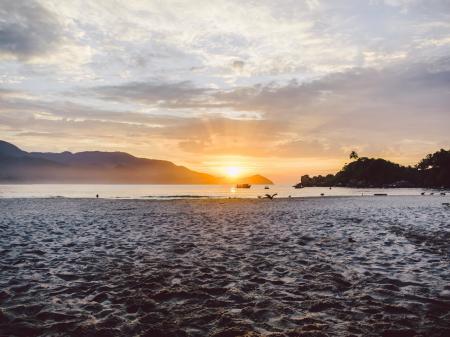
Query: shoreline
[[220, 198], [165, 192]]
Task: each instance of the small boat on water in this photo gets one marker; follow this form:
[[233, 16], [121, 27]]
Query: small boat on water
[[266, 187], [243, 186]]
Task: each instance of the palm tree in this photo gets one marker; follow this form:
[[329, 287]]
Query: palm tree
[[353, 155]]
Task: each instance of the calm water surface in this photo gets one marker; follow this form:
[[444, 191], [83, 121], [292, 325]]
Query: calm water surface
[[185, 191]]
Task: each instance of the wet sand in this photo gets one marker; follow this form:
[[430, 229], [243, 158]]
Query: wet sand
[[367, 266]]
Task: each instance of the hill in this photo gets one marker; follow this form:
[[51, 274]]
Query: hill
[[433, 171], [18, 166]]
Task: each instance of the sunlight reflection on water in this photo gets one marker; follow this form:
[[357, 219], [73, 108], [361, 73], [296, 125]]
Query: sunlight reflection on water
[[185, 191]]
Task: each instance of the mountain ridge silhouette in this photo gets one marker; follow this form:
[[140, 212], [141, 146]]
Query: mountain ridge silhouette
[[18, 166]]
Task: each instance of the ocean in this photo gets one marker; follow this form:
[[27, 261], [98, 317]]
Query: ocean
[[186, 191]]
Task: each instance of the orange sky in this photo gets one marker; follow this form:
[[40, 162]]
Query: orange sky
[[277, 88]]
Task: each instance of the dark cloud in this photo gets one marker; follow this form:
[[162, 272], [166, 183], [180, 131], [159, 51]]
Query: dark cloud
[[153, 93], [398, 89], [322, 118], [403, 91], [26, 29], [359, 106], [372, 96]]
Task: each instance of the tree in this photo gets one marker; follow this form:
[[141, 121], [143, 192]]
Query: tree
[[353, 155], [431, 172], [435, 169], [437, 160]]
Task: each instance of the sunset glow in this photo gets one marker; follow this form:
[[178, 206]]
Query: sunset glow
[[224, 168], [233, 171], [201, 83]]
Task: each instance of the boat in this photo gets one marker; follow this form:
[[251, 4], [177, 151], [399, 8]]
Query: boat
[[243, 186], [266, 187]]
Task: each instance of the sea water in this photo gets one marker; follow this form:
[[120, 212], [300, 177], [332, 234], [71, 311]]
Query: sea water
[[188, 191]]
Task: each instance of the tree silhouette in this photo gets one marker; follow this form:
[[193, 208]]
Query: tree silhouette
[[353, 155], [432, 172]]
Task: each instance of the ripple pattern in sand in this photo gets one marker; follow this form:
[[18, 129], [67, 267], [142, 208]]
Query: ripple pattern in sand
[[310, 267]]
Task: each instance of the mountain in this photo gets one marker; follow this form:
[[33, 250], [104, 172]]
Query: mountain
[[8, 149], [18, 166]]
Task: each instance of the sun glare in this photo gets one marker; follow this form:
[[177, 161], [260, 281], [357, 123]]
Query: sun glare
[[232, 171]]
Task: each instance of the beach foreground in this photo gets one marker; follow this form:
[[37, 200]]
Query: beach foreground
[[357, 266]]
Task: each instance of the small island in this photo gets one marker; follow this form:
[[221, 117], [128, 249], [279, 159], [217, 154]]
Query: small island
[[431, 172]]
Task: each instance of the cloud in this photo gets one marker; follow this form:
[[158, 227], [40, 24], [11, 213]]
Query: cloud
[[307, 149], [27, 29], [291, 79], [301, 38], [30, 116], [387, 96], [273, 147], [152, 93], [352, 108], [400, 92]]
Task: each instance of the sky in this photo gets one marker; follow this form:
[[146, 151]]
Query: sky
[[282, 88]]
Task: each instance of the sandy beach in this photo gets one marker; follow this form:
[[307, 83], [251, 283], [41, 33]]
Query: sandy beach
[[353, 266]]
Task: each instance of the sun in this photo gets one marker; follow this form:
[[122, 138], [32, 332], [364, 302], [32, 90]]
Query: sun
[[232, 171]]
